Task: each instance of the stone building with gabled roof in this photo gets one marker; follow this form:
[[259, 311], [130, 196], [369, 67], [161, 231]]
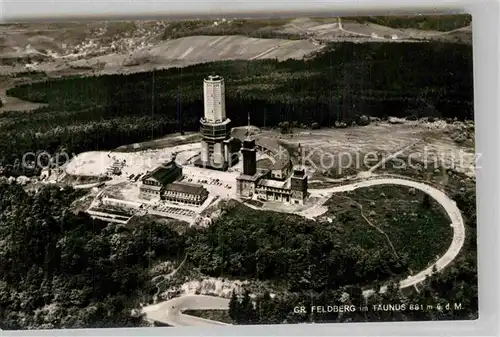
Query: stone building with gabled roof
[[281, 169], [153, 183], [278, 183], [191, 194], [163, 184]]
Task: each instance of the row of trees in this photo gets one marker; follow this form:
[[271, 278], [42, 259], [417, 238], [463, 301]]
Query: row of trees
[[442, 23], [452, 296]]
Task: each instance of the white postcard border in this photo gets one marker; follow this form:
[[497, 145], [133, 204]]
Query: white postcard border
[[486, 25]]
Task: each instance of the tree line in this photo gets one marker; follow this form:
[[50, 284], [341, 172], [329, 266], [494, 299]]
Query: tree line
[[442, 23], [59, 269], [339, 84]]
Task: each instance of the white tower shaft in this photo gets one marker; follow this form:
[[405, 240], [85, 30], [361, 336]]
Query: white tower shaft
[[214, 99]]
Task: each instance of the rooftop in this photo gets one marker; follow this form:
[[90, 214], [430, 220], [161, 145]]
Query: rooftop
[[255, 177], [280, 163], [299, 171], [214, 78], [248, 143], [162, 172], [186, 188], [274, 183], [150, 187], [207, 122]]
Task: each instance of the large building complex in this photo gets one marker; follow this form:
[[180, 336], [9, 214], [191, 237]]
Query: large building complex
[[185, 193], [218, 149], [282, 182], [163, 184], [275, 184]]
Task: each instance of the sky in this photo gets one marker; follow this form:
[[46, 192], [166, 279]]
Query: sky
[[22, 10]]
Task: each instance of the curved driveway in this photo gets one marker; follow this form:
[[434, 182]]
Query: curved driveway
[[170, 312], [449, 205]]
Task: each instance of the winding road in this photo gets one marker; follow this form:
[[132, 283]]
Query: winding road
[[449, 205], [170, 312]]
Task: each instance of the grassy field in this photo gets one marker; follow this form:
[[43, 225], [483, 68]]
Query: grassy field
[[261, 28]]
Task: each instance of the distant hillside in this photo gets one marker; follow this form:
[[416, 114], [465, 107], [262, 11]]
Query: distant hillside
[[41, 42], [198, 49], [442, 23]]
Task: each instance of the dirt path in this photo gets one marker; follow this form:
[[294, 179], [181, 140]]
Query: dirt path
[[378, 229], [392, 156], [456, 219]]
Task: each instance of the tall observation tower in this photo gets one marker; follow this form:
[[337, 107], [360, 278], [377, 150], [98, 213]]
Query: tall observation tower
[[217, 146]]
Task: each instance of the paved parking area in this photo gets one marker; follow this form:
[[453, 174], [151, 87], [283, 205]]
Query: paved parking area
[[222, 184]]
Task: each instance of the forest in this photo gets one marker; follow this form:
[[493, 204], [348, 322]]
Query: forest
[[60, 269], [342, 83], [442, 23]]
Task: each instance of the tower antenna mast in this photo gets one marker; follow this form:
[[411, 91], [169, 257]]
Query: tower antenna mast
[[153, 101], [248, 125]]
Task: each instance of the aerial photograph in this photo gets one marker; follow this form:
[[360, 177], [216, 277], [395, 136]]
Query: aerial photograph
[[230, 171]]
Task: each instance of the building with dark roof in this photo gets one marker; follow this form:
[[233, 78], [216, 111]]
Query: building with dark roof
[[153, 183], [246, 184], [191, 194], [298, 186], [249, 157], [163, 184], [281, 169], [291, 190]]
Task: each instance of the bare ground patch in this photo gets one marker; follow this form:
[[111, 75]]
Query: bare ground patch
[[338, 153]]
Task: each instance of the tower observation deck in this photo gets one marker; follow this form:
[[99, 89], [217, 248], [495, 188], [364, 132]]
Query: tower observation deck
[[217, 146]]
